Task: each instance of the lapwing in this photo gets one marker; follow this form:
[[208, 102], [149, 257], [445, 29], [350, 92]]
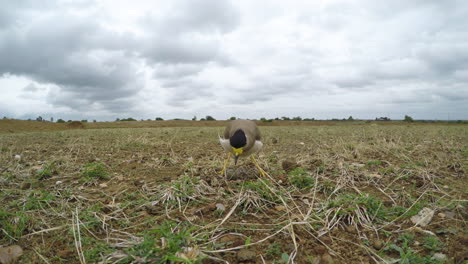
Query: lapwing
[[241, 139]]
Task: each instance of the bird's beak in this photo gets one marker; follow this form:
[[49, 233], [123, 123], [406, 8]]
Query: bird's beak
[[237, 153]]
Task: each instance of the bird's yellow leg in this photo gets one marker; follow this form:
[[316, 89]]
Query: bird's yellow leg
[[262, 172], [226, 162]]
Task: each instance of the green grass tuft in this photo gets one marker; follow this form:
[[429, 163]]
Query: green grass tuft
[[94, 170], [300, 178]]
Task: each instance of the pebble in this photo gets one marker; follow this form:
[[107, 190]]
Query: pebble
[[58, 182], [377, 244], [320, 249], [246, 255], [326, 259], [65, 253], [103, 185], [358, 165], [441, 215], [351, 229], [326, 240], [10, 254], [375, 175], [25, 185], [152, 210], [280, 208], [138, 183], [17, 157], [449, 214], [232, 240], [220, 206], [439, 257], [289, 165], [424, 217]]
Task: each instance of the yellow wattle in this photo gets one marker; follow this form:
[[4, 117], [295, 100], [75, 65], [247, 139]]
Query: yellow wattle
[[237, 151]]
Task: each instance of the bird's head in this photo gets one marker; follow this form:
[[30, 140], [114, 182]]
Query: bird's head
[[238, 141]]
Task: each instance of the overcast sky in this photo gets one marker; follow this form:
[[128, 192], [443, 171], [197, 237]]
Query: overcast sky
[[83, 59]]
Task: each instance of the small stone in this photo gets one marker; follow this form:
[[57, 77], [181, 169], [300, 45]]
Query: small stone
[[377, 244], [138, 183], [320, 249], [17, 157], [232, 240], [280, 208], [246, 255], [103, 185], [289, 165], [220, 206], [439, 257], [207, 209], [25, 185], [152, 210], [209, 261], [416, 243], [424, 217], [441, 215], [65, 253], [241, 173], [351, 229], [445, 187], [326, 240], [375, 175], [326, 259], [10, 254], [302, 143], [449, 214], [58, 182]]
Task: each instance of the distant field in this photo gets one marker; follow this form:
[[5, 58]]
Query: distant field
[[342, 192], [14, 126]]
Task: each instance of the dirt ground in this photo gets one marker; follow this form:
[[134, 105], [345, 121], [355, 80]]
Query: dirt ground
[[332, 194]]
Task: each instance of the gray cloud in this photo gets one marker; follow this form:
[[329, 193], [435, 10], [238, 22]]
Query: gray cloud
[[75, 54], [189, 31], [103, 58], [31, 88]]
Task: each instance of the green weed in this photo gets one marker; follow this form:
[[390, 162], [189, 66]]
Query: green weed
[[13, 225], [301, 179], [37, 200], [153, 250], [95, 250], [262, 189], [432, 243], [406, 253], [273, 250], [374, 163], [47, 171], [94, 170]]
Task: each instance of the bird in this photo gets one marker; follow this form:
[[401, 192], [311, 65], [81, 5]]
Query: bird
[[241, 138]]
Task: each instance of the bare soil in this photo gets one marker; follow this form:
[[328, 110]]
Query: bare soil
[[333, 194]]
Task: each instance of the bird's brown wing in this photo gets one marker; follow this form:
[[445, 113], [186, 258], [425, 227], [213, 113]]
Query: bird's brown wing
[[227, 131], [257, 133]]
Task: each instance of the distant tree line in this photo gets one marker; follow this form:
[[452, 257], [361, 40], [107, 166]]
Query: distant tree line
[[406, 118]]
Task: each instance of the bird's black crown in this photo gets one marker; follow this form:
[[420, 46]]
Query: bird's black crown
[[238, 140]]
